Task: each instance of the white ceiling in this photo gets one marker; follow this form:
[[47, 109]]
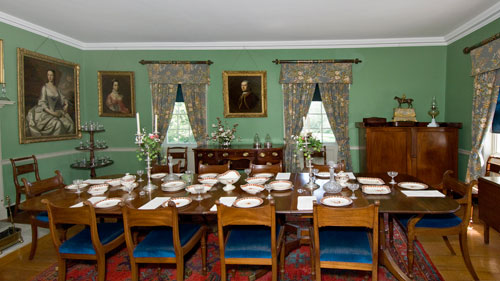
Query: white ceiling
[[202, 24]]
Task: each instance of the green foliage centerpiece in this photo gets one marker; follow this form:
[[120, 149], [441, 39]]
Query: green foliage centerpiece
[[149, 146], [222, 135], [308, 144]]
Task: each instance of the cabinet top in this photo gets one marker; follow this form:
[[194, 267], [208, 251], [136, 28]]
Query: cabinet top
[[408, 125], [238, 146]]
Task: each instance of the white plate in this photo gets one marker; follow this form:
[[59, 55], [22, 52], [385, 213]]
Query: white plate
[[179, 202], [135, 184], [73, 186], [209, 181], [128, 178], [376, 189], [97, 189], [266, 175], [172, 186], [281, 185], [252, 188], [248, 202], [158, 175], [323, 175], [208, 175], [107, 203], [191, 188], [370, 181], [413, 185], [336, 201], [114, 182], [256, 180]]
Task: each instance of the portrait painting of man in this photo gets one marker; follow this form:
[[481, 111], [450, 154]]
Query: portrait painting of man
[[245, 94]]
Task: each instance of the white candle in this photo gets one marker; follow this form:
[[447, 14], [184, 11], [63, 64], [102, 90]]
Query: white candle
[[304, 123], [138, 123], [308, 128], [156, 123]]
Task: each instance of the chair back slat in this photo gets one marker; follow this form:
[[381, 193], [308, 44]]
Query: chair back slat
[[165, 169], [326, 168], [274, 168], [20, 167], [178, 152], [41, 186], [157, 217], [60, 215], [205, 168], [318, 155], [330, 216], [263, 215], [452, 185]]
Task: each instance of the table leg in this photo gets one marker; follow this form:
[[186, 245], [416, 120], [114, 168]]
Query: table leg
[[385, 257], [486, 233]]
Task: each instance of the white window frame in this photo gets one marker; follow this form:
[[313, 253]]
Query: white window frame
[[166, 143]]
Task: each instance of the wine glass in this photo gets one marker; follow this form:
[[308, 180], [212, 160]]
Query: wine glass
[[392, 174], [189, 176], [129, 187], [199, 189], [248, 171], [268, 187], [140, 173], [314, 172], [353, 187], [78, 183]]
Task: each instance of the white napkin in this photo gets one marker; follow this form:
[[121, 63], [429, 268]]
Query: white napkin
[[351, 175], [423, 193], [96, 181], [283, 176], [92, 200], [228, 201], [305, 202], [155, 203]]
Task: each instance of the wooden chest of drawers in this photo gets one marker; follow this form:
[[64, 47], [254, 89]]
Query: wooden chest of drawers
[[240, 155]]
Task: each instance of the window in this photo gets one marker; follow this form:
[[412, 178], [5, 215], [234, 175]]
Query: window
[[179, 130], [318, 121]]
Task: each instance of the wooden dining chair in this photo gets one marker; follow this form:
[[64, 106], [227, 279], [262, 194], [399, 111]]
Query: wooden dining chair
[[249, 236], [206, 168], [274, 168], [40, 219], [157, 168], [443, 224], [345, 238], [326, 168], [23, 166], [168, 242], [91, 243], [179, 153], [319, 156]]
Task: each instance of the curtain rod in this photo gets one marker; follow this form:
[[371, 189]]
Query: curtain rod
[[482, 43], [356, 61], [209, 62]]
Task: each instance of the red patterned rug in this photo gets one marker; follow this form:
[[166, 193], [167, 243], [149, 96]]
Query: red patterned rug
[[297, 266]]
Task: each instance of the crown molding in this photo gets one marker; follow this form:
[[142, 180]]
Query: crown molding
[[479, 21], [474, 24]]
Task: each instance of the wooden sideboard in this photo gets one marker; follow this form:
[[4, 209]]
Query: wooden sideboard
[[240, 155], [488, 197], [419, 151]]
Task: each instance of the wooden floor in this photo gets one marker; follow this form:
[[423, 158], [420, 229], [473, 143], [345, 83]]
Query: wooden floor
[[485, 258]]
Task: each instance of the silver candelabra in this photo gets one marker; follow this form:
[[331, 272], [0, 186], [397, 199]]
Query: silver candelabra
[[138, 140], [311, 184]]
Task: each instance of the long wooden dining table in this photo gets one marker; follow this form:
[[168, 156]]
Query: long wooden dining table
[[286, 203]]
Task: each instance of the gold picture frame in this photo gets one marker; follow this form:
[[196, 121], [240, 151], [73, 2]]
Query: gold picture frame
[[119, 101], [2, 70], [245, 93], [48, 98]]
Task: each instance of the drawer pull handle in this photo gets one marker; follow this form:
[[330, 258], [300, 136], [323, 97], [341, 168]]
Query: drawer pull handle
[[210, 155], [200, 154], [275, 154], [262, 154], [225, 154], [245, 154], [269, 163]]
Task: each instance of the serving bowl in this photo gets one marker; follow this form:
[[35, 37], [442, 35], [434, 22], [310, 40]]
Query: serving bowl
[[252, 188], [192, 188], [208, 180], [97, 189], [228, 178]]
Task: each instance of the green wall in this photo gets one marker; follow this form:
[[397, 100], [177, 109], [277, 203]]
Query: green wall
[[459, 86], [418, 72]]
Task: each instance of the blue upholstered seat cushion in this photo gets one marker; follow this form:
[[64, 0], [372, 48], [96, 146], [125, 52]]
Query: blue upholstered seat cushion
[[249, 242], [432, 221], [160, 243], [81, 243], [43, 216], [344, 244]]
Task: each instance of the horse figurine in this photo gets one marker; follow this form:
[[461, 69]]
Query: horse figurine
[[404, 100]]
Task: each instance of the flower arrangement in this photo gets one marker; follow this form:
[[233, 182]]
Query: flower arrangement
[[150, 144], [224, 136], [308, 144]]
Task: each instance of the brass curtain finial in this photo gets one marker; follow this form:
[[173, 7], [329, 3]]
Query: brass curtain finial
[[355, 61], [482, 43], [143, 62]]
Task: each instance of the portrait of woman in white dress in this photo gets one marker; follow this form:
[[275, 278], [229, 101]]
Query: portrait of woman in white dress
[[50, 116]]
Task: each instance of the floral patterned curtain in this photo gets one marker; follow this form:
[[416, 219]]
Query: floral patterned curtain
[[333, 80], [335, 99], [297, 99], [195, 96], [164, 80], [486, 72]]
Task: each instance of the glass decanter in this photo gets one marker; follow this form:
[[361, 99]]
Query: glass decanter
[[332, 186]]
